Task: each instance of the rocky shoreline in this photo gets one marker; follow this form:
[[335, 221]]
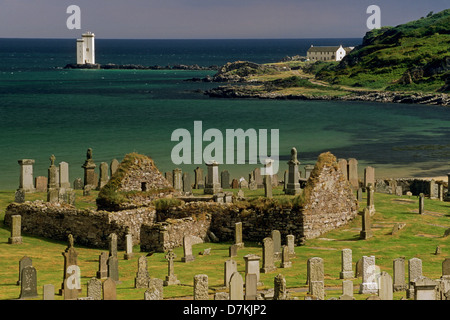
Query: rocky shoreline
[[245, 92], [112, 66]]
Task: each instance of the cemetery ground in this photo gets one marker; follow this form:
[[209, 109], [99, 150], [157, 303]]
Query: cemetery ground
[[419, 238]]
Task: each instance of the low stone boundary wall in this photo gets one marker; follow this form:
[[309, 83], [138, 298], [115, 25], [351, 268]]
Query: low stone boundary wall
[[88, 227]]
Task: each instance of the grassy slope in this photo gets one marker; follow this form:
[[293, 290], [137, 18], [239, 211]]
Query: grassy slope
[[418, 239]]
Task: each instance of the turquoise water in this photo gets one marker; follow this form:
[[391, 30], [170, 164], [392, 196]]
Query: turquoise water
[[47, 110]]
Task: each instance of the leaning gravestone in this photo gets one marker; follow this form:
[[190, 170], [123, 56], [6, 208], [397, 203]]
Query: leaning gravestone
[[28, 285]]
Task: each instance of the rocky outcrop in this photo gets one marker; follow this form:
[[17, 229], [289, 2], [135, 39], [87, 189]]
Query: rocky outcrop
[[138, 67]]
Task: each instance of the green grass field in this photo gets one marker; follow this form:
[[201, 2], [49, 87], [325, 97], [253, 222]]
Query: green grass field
[[419, 238]]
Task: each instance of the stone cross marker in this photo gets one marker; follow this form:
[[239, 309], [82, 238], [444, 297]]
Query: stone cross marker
[[293, 185], [16, 230], [201, 287], [268, 259], [346, 257], [171, 278], [28, 285], [187, 248], [142, 276]]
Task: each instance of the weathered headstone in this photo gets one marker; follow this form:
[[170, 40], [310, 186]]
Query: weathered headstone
[[64, 181], [212, 183], [285, 258], [102, 272], [187, 187], [113, 167], [359, 194], [109, 289], [421, 203], [414, 272], [238, 235], [290, 241], [171, 278], [70, 271], [89, 170], [78, 184], [447, 197], [268, 186], [425, 289], [370, 199], [293, 185], [177, 179], [441, 192], [41, 184], [399, 274], [16, 229], [252, 265], [279, 288], [142, 276], [353, 173], [155, 290], [369, 274], [112, 244], [251, 286], [446, 269], [268, 256], [342, 164], [169, 177], [347, 288], [72, 284], [26, 181], [346, 258], [366, 231], [201, 287], [235, 184], [236, 287], [28, 284], [225, 179], [258, 178], [369, 176], [103, 177], [187, 249], [315, 275], [23, 263], [19, 196], [276, 237], [94, 289], [113, 268], [232, 250], [386, 290], [128, 245], [243, 184], [433, 190], [48, 292], [198, 178], [230, 267], [308, 169]]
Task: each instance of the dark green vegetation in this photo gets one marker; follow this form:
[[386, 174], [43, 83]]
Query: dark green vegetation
[[419, 238], [410, 57]]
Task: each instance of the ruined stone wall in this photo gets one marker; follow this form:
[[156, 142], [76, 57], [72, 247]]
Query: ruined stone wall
[[414, 185], [88, 227]]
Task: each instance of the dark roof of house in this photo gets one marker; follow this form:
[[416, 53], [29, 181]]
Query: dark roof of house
[[323, 49]]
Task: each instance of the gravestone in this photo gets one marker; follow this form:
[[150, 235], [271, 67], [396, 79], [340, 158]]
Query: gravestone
[[221, 296], [268, 186], [16, 230], [358, 268], [102, 272], [346, 270], [386, 290], [26, 182], [308, 169], [103, 177], [359, 194], [279, 288], [89, 170], [234, 184], [290, 241], [414, 272], [177, 179], [399, 274], [353, 173], [258, 178], [169, 177], [252, 266], [232, 250], [293, 185], [70, 260], [268, 256], [225, 179], [399, 191], [128, 244], [285, 181], [441, 192], [433, 190], [109, 289], [187, 249], [113, 268], [142, 276], [236, 287], [201, 287], [425, 289], [315, 275], [251, 286], [155, 290], [230, 267], [342, 164], [171, 278], [285, 258], [78, 184], [370, 199], [48, 292], [276, 237], [369, 176], [64, 181], [113, 167], [243, 184], [275, 180], [28, 284], [72, 284], [41, 184], [446, 269], [238, 235], [23, 263], [421, 203], [187, 187], [347, 288], [369, 274], [198, 178], [212, 183], [447, 197], [366, 231], [94, 289], [19, 196], [112, 244], [53, 182]]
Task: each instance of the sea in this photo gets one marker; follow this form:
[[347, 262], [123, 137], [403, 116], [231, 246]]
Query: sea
[[47, 110]]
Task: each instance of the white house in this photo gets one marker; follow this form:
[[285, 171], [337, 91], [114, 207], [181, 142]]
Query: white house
[[327, 53], [86, 49]]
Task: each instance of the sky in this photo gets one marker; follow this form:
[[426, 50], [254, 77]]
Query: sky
[[206, 19]]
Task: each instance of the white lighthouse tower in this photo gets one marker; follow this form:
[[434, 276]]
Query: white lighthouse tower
[[86, 49]]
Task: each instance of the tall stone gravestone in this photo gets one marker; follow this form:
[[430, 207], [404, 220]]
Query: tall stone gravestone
[[293, 185], [142, 276], [276, 237], [447, 197], [285, 258], [28, 285], [353, 173], [238, 235], [366, 231], [26, 181], [315, 274], [230, 267], [113, 167], [128, 245], [399, 274], [177, 179], [369, 176], [23, 263], [267, 180], [53, 184], [212, 183], [369, 275], [252, 266], [201, 287], [342, 164], [89, 170], [225, 179], [421, 203], [251, 286], [187, 187], [386, 290], [290, 241], [199, 182], [70, 286], [268, 256], [187, 248], [371, 199], [113, 261], [103, 177], [102, 272], [346, 257], [64, 181], [414, 272], [16, 229]]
